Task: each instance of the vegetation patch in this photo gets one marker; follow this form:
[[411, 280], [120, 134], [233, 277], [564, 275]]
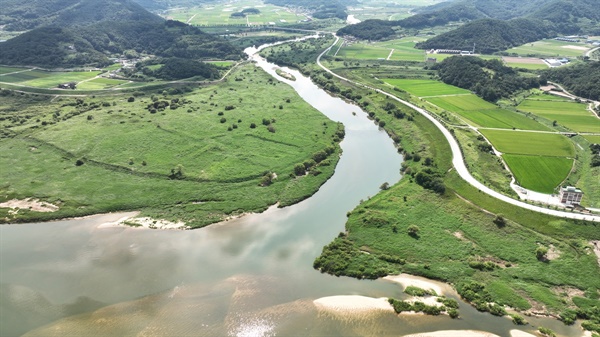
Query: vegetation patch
[[423, 88]]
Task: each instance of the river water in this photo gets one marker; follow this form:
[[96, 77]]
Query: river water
[[247, 277]]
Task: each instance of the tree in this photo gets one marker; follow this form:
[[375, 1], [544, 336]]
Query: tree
[[384, 186], [177, 172], [299, 170], [500, 221], [131, 99]]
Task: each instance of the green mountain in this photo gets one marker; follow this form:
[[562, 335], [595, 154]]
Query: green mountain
[[19, 15], [490, 35], [91, 31], [562, 16]]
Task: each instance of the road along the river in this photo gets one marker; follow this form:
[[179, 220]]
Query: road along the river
[[457, 157]]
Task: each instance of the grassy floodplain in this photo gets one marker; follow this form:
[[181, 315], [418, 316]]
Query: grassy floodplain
[[539, 173], [550, 48], [573, 115], [592, 139], [202, 158]]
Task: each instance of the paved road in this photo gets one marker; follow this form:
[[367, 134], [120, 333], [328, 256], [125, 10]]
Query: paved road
[[457, 157]]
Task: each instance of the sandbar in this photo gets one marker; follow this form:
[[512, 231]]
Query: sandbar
[[353, 304], [454, 333], [519, 333], [409, 280], [30, 204]]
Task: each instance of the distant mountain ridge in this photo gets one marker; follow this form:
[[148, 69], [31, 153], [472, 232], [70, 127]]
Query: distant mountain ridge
[[19, 15], [555, 16], [88, 32]]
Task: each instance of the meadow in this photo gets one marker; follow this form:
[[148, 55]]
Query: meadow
[[537, 173], [6, 70], [220, 14], [100, 83], [363, 51], [592, 139], [215, 151], [525, 63], [573, 115], [47, 79], [550, 48], [530, 143], [422, 88]]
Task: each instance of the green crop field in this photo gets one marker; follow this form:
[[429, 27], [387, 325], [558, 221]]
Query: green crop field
[[47, 79], [592, 139], [502, 119], [425, 87], [461, 103], [404, 49], [6, 70], [220, 14], [537, 173], [363, 51], [550, 48], [570, 114], [99, 84], [530, 66], [530, 143]]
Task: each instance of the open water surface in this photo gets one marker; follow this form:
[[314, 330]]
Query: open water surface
[[248, 277]]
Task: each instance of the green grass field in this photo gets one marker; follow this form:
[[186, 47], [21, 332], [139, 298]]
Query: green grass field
[[573, 115], [47, 79], [363, 51], [592, 139], [485, 114], [424, 88], [220, 14], [530, 143], [530, 66], [404, 49], [537, 173], [6, 70], [99, 84], [129, 152], [550, 48]]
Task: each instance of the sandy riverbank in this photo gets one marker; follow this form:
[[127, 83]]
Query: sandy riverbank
[[454, 333], [420, 282], [30, 204], [353, 304], [131, 220]]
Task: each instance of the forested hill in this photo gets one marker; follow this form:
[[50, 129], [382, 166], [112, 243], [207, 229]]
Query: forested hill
[[89, 45], [490, 35], [580, 79], [489, 79], [563, 16], [321, 9], [20, 15]]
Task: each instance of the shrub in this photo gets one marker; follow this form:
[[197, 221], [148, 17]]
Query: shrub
[[540, 253], [496, 310], [518, 319], [546, 332], [413, 230], [299, 170], [453, 313], [416, 291]]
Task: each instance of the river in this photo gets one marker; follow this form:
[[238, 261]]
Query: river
[[251, 276]]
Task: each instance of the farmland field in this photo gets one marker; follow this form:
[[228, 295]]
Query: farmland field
[[47, 79], [99, 84], [404, 49], [530, 143], [363, 51], [461, 103], [425, 87], [6, 70], [592, 139], [220, 14], [570, 114], [550, 48], [527, 63], [538, 173]]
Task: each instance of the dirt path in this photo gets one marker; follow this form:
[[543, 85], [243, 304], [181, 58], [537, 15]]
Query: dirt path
[[390, 55]]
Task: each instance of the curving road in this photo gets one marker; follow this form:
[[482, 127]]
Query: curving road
[[457, 158]]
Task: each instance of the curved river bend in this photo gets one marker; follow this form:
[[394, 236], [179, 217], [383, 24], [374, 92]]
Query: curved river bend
[[247, 277]]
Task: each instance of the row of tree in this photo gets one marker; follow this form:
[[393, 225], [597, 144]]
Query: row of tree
[[581, 79]]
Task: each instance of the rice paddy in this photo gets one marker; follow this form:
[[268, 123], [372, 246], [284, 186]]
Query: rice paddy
[[573, 115], [423, 88], [530, 143], [538, 173]]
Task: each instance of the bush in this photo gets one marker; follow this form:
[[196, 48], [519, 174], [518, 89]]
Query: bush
[[546, 332], [518, 319], [496, 310], [453, 313], [413, 230], [540, 253], [416, 291]]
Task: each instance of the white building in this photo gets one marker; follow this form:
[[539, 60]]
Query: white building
[[570, 195]]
